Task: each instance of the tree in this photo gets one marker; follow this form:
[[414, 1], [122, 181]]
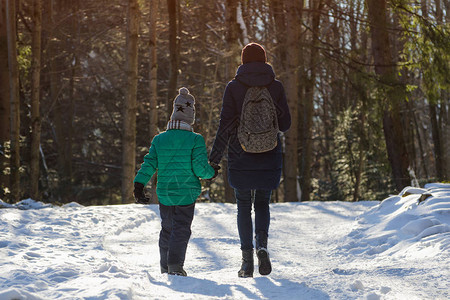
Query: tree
[[153, 76], [293, 19], [4, 78], [392, 93], [61, 63], [14, 99], [153, 70], [230, 67], [174, 52], [308, 113], [129, 107], [35, 99], [4, 99], [434, 47]]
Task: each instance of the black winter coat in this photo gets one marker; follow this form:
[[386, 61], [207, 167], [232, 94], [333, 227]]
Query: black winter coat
[[250, 170]]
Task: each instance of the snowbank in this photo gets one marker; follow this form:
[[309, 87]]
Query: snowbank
[[414, 223], [26, 204]]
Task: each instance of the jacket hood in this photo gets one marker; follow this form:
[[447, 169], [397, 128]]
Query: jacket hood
[[255, 74]]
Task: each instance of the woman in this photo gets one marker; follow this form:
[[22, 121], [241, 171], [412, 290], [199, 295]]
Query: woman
[[252, 175]]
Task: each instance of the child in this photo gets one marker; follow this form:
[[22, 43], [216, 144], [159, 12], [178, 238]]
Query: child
[[179, 155]]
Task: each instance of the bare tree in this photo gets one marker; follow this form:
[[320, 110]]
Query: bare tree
[[129, 107]]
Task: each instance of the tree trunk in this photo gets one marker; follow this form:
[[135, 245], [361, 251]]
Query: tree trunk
[[405, 118], [35, 100], [4, 99], [231, 64], [361, 157], [279, 51], [130, 108], [201, 109], [360, 95], [445, 110], [153, 72], [4, 78], [241, 23], [445, 129], [174, 55], [14, 100], [436, 133], [54, 87], [63, 102], [153, 97], [416, 127], [436, 141], [231, 37], [439, 13], [445, 106], [309, 105], [279, 19], [293, 19], [393, 93], [73, 8]]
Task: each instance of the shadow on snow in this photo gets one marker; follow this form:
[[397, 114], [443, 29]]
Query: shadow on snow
[[268, 288]]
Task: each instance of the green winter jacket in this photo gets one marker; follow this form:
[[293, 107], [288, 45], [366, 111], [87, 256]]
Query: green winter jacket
[[180, 158]]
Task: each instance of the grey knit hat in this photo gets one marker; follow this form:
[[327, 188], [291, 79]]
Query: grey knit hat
[[184, 107]]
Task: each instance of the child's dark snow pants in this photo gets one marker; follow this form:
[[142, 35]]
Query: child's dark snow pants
[[175, 233]]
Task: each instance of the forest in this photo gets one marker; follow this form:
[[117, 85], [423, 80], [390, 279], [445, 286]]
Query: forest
[[85, 85]]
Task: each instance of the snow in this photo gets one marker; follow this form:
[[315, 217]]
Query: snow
[[394, 249]]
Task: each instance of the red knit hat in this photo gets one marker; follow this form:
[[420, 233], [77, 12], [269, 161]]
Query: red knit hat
[[253, 52]]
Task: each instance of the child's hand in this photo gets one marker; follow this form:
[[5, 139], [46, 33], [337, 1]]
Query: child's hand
[[144, 200], [139, 195]]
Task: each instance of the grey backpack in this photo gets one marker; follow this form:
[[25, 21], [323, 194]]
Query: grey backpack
[[258, 127]]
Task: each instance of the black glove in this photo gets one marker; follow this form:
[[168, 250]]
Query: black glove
[[139, 194], [216, 169]]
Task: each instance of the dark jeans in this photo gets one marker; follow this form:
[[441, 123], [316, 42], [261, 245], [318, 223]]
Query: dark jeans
[[175, 233], [244, 200]]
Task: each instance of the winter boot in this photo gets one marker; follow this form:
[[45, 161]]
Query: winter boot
[[176, 270], [164, 270], [247, 264], [265, 267]]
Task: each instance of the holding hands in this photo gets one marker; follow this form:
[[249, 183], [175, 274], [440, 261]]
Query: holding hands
[[216, 168]]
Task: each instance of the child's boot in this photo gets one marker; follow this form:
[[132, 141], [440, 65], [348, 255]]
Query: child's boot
[[164, 269], [177, 270]]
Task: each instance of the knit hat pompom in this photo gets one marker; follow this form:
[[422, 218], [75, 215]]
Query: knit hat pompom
[[183, 107], [183, 91], [253, 52]]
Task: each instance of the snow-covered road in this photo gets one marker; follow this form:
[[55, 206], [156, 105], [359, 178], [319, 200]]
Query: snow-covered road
[[302, 240], [319, 250]]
